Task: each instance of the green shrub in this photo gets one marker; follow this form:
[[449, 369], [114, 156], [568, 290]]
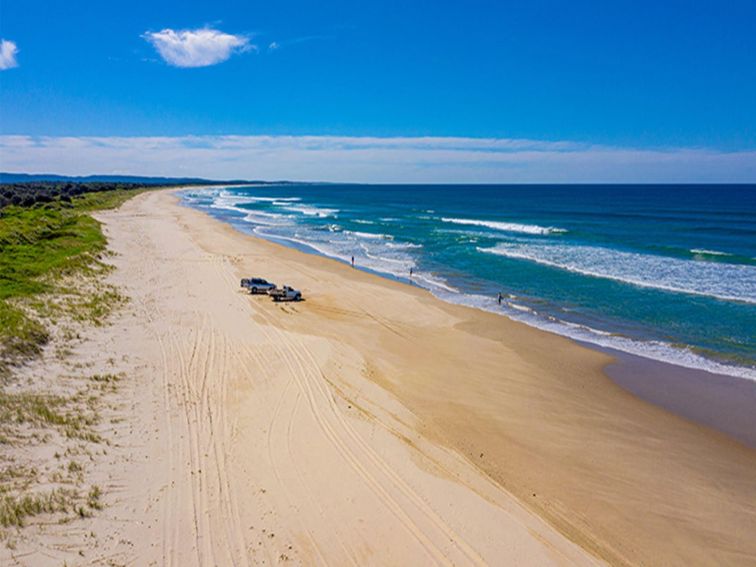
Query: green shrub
[[40, 246]]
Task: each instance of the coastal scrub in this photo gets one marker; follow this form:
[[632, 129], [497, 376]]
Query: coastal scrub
[[45, 252]]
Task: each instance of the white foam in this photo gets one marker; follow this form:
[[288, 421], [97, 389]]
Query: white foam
[[403, 245], [369, 235], [240, 199], [371, 251], [261, 217], [343, 250], [405, 263], [704, 252], [228, 201], [228, 207], [434, 283], [507, 226], [732, 282], [519, 307], [312, 211]]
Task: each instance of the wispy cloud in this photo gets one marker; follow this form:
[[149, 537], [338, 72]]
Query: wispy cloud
[[276, 45], [373, 159], [197, 48], [8, 50]]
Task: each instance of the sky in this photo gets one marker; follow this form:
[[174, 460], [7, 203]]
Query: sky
[[410, 91]]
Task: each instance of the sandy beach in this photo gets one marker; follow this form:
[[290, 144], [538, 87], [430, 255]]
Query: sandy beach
[[374, 424]]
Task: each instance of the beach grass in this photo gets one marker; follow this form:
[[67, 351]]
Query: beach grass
[[42, 250], [15, 509], [52, 266], [66, 414]]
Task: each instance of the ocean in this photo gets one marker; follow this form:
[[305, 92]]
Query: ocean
[[664, 272]]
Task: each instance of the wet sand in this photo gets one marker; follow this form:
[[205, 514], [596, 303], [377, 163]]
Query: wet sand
[[725, 403]]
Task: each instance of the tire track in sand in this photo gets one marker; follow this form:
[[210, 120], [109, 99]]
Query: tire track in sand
[[306, 370]]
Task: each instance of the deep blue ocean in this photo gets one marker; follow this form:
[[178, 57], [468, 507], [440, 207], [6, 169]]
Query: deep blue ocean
[[665, 272]]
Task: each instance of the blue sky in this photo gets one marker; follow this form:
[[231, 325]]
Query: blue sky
[[630, 78]]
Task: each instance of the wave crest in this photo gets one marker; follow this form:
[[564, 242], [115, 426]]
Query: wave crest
[[731, 282], [507, 226]]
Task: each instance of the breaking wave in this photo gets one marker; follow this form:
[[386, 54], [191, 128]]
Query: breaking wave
[[507, 226], [731, 282]]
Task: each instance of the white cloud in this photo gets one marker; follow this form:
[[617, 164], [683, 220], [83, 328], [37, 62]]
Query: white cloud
[[273, 46], [196, 48], [8, 52], [372, 159]]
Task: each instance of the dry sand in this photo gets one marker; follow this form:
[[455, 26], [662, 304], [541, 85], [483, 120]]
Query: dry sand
[[257, 443], [374, 424]]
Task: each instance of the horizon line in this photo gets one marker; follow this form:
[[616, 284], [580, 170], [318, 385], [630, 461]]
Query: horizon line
[[376, 159]]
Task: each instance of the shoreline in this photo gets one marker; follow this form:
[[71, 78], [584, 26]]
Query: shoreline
[[700, 395], [557, 408], [634, 347]]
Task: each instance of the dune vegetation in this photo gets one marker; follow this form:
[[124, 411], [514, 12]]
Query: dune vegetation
[[52, 288], [45, 251]]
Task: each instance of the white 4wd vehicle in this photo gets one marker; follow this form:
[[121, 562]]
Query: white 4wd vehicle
[[285, 293]]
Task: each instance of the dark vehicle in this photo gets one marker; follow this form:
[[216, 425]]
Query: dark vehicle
[[257, 285]]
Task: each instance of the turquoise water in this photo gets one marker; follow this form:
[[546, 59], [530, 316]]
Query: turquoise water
[[665, 272]]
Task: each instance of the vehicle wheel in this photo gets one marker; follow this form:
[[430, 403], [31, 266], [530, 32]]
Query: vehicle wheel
[[254, 290]]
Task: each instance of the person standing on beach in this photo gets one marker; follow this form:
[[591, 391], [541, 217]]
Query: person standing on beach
[[353, 261], [410, 274]]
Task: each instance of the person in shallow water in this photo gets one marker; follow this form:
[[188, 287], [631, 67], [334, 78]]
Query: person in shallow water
[[499, 298], [353, 261]]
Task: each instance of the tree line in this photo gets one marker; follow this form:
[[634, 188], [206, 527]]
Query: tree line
[[30, 193]]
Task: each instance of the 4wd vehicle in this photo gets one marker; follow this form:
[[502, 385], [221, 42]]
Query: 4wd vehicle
[[257, 285], [285, 293]]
